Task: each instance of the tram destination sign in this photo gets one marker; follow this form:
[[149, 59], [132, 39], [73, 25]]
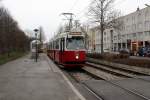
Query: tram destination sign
[[75, 33]]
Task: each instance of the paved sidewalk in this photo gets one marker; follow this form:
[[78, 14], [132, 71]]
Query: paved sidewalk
[[24, 79]]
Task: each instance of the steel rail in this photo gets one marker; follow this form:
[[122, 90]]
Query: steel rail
[[126, 89], [85, 86], [117, 71]]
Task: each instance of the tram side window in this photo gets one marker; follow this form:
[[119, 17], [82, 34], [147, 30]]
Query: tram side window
[[62, 44], [54, 46], [57, 44], [51, 46]]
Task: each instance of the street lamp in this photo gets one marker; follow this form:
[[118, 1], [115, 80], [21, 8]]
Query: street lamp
[[36, 52]]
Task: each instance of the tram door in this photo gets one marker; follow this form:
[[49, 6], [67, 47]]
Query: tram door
[[62, 49]]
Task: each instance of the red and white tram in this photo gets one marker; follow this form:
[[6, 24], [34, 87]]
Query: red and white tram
[[68, 49]]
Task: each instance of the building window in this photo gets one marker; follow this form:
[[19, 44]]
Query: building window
[[134, 35], [107, 38], [104, 39], [128, 28], [128, 36], [147, 33], [140, 25], [134, 27], [115, 37], [104, 33], [133, 19], [139, 15], [140, 35], [147, 24], [146, 14], [127, 20]]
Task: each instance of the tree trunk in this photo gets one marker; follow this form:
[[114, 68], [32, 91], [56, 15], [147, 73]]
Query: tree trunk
[[102, 30], [102, 25]]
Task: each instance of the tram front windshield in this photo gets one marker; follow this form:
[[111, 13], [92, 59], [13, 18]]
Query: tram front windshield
[[75, 43]]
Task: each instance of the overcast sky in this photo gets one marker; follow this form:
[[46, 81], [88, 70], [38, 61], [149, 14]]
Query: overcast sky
[[31, 14]]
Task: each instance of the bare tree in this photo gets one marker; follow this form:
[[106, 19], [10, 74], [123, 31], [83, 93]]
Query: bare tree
[[12, 38], [102, 12]]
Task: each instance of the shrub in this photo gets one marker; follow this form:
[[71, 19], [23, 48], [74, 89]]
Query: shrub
[[134, 62], [107, 56]]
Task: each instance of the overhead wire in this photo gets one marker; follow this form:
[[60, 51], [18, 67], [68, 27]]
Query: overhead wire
[[70, 10]]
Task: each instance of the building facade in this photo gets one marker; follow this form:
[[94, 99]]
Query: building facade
[[91, 40], [133, 34], [107, 40]]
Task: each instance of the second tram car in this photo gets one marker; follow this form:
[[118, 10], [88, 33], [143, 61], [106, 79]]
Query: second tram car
[[68, 49]]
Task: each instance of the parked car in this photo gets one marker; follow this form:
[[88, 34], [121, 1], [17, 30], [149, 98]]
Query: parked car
[[147, 52], [144, 51]]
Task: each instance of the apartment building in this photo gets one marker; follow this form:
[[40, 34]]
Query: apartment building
[[134, 33], [91, 40]]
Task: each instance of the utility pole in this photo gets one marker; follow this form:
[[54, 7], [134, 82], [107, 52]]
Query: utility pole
[[70, 19]]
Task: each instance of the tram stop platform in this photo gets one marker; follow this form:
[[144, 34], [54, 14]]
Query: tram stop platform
[[25, 79]]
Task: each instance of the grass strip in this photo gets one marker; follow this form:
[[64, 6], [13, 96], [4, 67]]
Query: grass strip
[[4, 58]]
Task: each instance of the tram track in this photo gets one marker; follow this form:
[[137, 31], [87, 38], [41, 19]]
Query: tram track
[[116, 71], [80, 72], [95, 76], [99, 77], [73, 76], [123, 73], [108, 74], [119, 71]]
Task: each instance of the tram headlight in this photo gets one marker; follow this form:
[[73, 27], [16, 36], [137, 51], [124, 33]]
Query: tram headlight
[[77, 57]]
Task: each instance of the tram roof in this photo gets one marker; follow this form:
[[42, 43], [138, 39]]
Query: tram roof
[[65, 34]]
